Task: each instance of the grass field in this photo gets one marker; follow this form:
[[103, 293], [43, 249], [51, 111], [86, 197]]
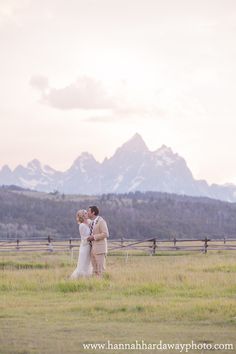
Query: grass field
[[169, 298]]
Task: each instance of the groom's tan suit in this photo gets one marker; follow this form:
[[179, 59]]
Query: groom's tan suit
[[99, 246]]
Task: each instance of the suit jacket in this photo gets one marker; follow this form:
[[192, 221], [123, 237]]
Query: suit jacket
[[100, 233]]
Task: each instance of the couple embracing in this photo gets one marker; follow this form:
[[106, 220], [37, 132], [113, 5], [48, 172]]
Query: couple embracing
[[93, 247]]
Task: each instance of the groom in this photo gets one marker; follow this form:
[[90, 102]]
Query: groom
[[98, 237]]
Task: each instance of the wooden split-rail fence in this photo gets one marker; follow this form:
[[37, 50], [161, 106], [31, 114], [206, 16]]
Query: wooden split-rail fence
[[150, 246]]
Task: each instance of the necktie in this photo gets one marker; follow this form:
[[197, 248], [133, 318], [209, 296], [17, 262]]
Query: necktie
[[91, 227]]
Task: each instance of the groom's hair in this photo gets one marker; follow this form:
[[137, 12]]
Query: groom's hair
[[94, 209]]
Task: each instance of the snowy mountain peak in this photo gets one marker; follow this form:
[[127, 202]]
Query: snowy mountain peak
[[6, 169], [48, 170], [137, 136], [34, 165], [19, 169], [164, 156], [164, 150], [83, 163], [135, 144], [84, 157], [133, 167]]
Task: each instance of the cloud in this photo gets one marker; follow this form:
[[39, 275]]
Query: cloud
[[119, 100], [87, 93], [39, 82]]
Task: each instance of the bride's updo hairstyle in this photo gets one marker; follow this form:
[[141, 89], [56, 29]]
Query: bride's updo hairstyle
[[80, 215]]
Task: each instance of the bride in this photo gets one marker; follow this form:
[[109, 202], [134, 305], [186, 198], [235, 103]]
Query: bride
[[84, 267]]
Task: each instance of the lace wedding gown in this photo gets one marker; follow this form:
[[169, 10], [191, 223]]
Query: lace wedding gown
[[84, 267]]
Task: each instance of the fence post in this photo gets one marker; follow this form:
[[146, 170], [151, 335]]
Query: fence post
[[17, 244], [70, 245], [50, 246], [205, 245], [71, 250], [174, 242], [154, 246], [224, 240]]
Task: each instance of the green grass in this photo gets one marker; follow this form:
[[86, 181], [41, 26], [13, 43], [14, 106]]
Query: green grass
[[22, 265], [175, 299]]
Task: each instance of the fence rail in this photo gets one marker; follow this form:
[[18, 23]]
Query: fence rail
[[150, 246]]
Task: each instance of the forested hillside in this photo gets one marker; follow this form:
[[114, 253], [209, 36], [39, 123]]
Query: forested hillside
[[27, 214]]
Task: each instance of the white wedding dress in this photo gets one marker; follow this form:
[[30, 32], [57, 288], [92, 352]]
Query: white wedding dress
[[84, 266]]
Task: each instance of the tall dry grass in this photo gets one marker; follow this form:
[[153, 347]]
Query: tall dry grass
[[192, 291]]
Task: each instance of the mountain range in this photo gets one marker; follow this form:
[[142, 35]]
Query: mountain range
[[133, 167]]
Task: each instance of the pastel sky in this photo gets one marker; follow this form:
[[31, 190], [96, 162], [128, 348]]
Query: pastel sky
[[86, 75]]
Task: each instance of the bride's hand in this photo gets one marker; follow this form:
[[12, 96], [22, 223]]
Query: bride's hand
[[91, 238]]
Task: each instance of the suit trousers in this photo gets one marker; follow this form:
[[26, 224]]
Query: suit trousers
[[98, 263]]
